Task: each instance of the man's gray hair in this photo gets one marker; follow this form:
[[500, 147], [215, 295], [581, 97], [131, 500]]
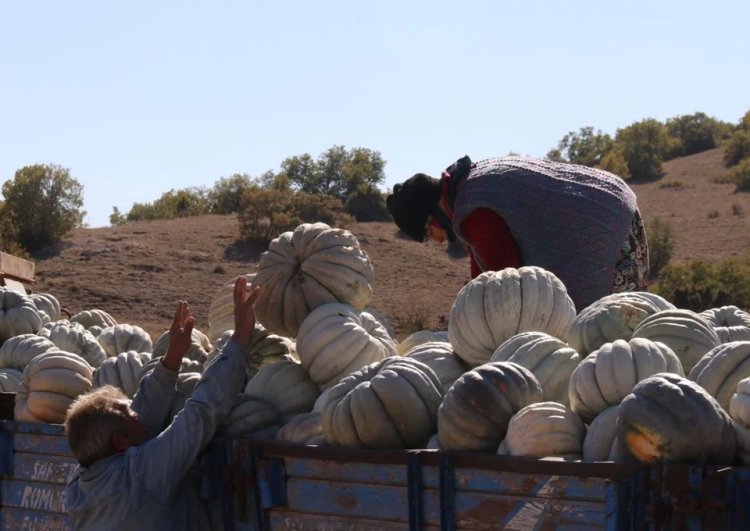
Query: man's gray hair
[[91, 421]]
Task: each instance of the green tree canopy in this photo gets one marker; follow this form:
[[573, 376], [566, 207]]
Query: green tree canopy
[[586, 147], [696, 132], [43, 202], [643, 145], [226, 195]]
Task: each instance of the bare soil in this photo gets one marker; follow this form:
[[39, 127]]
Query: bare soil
[[138, 271]]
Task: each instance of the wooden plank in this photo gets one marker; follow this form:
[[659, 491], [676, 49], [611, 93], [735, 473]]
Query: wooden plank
[[383, 474], [33, 428], [15, 519], [39, 467], [32, 495], [41, 444], [283, 519], [530, 485], [16, 267]]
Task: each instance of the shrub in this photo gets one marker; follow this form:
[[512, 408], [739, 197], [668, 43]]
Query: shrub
[[226, 195], [661, 242], [741, 176], [614, 162], [675, 183], [713, 214], [367, 203], [644, 145], [737, 148], [172, 204], [738, 210]]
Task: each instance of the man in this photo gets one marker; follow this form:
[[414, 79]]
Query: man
[[134, 476]]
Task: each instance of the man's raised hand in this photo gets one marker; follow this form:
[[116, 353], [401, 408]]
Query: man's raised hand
[[180, 337], [244, 314]]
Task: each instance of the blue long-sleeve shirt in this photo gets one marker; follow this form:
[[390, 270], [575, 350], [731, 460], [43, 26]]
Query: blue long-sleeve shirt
[[148, 486]]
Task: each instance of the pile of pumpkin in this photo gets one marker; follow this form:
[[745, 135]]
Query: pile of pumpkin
[[519, 372]]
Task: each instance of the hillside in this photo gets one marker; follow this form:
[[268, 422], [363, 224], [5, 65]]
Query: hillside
[[138, 271]]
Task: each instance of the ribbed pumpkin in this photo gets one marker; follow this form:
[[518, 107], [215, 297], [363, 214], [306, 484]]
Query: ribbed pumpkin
[[439, 357], [601, 438], [729, 322], [285, 384], [670, 419], [608, 375], [550, 359], [123, 371], [382, 319], [221, 310], [544, 429], [47, 305], [200, 346], [305, 268], [267, 348], [73, 337], [739, 404], [613, 317], [391, 404], [336, 340], [743, 443], [95, 317], [186, 382], [250, 414], [721, 369], [420, 337], [305, 428], [18, 351], [186, 366], [10, 380], [497, 305], [476, 410], [18, 315], [688, 334], [51, 381], [123, 338]]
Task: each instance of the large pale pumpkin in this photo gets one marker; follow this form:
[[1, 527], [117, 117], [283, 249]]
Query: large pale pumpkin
[[739, 404], [497, 305], [391, 404], [306, 268], [600, 442], [51, 381], [250, 414], [200, 346], [10, 380], [721, 369], [608, 374], [544, 429], [439, 357], [221, 309], [688, 334], [476, 410], [18, 315], [95, 317], [305, 428], [613, 317], [729, 322], [123, 371], [550, 359], [267, 348], [47, 305], [123, 338], [186, 382], [285, 384], [18, 351], [670, 419], [336, 340], [420, 337], [73, 337]]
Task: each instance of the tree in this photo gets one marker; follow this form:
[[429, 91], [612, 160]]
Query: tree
[[226, 195], [367, 203], [585, 147], [696, 132], [43, 202], [643, 145], [614, 162]]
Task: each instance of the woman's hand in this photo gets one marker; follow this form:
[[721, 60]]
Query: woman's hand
[[180, 337], [244, 314]]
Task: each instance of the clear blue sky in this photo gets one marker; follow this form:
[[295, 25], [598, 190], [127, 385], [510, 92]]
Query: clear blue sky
[[137, 97]]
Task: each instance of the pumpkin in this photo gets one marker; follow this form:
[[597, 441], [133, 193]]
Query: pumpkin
[[95, 317], [497, 305], [439, 357], [51, 381], [420, 337], [123, 338], [544, 429], [10, 380], [743, 443], [306, 268], [721, 369], [382, 319], [601, 438], [200, 345], [729, 322], [305, 428], [612, 317], [476, 410], [670, 419], [739, 404], [221, 309], [18, 315], [47, 305], [73, 337], [266, 348], [390, 404], [250, 414], [550, 359], [287, 386], [187, 365], [433, 443], [186, 382], [688, 334], [609, 374], [336, 340], [19, 350], [123, 371]]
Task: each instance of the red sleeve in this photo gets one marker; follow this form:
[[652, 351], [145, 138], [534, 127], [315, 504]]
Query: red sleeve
[[491, 240]]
